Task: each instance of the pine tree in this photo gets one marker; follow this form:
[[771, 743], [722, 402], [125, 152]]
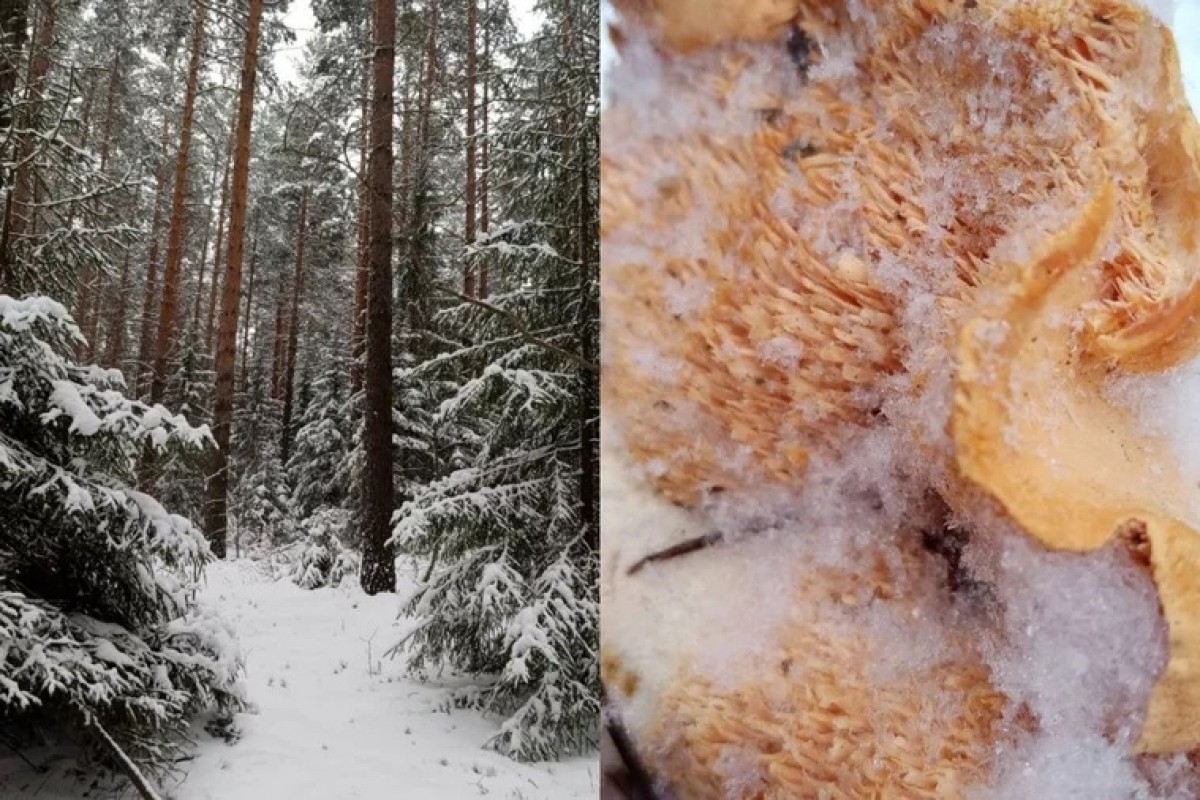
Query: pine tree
[[378, 494], [98, 631], [216, 513], [177, 232]]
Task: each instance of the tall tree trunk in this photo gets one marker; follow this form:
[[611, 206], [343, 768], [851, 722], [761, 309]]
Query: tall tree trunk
[[470, 279], [115, 350], [409, 128], [198, 294], [378, 489], [146, 337], [279, 338], [18, 217], [249, 315], [14, 24], [212, 293], [87, 90], [294, 330], [483, 174], [589, 396], [357, 332], [93, 285], [218, 485], [110, 103], [165, 341]]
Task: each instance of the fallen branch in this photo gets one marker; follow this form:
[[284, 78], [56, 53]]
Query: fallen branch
[[139, 781]]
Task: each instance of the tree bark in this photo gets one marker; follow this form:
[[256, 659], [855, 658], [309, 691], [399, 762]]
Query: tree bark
[[110, 102], [378, 489], [589, 396], [483, 146], [409, 128], [87, 90], [93, 286], [357, 332], [279, 338], [294, 330], [165, 341], [18, 216], [217, 510], [245, 384], [198, 294], [145, 339], [216, 274], [115, 349], [14, 25], [470, 280]]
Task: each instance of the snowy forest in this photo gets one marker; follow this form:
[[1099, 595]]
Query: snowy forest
[[299, 398]]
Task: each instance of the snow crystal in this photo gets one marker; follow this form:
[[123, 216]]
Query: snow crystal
[[663, 102], [1078, 644], [1074, 640], [837, 61], [1166, 406], [781, 351]]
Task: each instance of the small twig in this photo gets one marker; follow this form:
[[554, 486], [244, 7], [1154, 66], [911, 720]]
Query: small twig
[[38, 769], [642, 787], [370, 658], [391, 651], [674, 551]]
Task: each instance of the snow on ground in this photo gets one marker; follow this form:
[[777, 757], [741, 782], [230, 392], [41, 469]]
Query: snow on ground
[[333, 719]]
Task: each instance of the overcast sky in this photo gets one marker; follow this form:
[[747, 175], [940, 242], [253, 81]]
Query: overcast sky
[[1187, 33], [299, 18]]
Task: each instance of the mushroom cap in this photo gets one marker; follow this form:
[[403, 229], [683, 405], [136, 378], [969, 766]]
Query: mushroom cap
[[959, 219]]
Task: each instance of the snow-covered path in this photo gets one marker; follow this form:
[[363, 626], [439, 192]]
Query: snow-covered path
[[330, 723], [326, 722]]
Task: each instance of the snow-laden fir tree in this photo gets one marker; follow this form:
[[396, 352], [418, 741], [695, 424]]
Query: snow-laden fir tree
[[179, 482], [64, 199], [316, 468], [98, 627], [260, 500], [261, 505], [319, 478], [509, 537]]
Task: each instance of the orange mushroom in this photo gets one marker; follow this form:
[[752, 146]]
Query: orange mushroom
[[957, 220]]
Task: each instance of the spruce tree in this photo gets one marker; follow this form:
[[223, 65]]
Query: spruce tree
[[509, 535], [99, 632], [316, 469]]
